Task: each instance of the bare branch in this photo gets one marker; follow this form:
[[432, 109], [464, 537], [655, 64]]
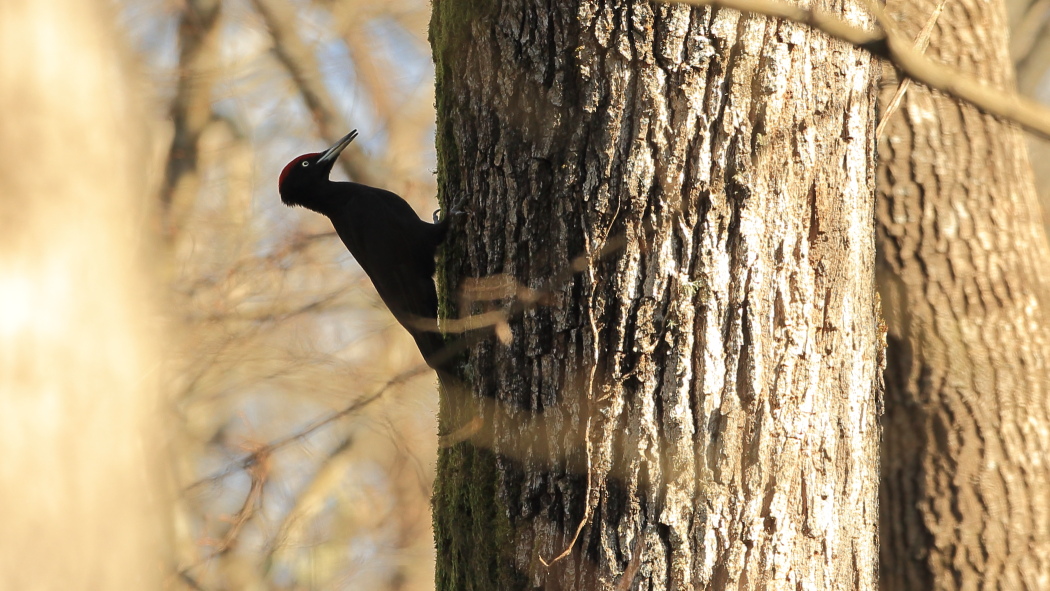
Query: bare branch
[[190, 109], [309, 500], [322, 421], [921, 43], [1033, 25], [259, 471], [887, 43], [301, 63]]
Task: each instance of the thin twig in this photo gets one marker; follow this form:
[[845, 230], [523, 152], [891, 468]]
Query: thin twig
[[588, 508], [921, 43], [324, 479], [888, 44], [312, 427], [301, 63], [636, 562], [259, 471]]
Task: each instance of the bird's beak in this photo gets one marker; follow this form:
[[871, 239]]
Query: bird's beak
[[332, 153]]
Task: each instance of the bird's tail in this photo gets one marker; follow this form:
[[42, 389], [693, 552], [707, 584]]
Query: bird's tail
[[436, 352]]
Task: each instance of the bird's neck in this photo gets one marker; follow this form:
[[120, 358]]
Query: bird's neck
[[322, 199]]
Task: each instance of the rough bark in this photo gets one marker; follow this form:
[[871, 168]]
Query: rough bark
[[962, 252], [699, 402]]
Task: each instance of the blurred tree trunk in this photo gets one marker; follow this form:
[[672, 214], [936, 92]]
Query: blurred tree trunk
[[962, 256], [1029, 26], [80, 503], [199, 28], [696, 407]]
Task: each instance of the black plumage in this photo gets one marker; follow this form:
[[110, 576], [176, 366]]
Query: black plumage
[[382, 231]]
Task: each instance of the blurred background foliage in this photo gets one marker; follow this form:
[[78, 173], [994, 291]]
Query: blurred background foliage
[[303, 419], [272, 324]]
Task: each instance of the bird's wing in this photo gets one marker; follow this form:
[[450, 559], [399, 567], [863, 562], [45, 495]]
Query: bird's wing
[[396, 250], [412, 299]]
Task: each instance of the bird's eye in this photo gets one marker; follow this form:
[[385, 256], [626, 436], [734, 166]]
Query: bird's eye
[[306, 163]]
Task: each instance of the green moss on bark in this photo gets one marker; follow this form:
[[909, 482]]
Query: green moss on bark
[[451, 25], [472, 529], [450, 37]]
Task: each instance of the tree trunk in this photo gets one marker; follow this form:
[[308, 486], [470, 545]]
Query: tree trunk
[[962, 253], [80, 502], [696, 406]]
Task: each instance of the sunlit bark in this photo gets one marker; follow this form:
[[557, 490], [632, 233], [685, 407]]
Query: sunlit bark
[[962, 274], [696, 408]]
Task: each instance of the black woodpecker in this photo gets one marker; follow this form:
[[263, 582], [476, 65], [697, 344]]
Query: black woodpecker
[[394, 247]]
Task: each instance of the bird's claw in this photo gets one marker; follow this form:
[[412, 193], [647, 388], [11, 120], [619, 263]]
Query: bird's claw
[[454, 211]]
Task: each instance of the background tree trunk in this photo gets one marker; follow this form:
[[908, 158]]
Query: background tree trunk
[[962, 255], [80, 503], [697, 405]]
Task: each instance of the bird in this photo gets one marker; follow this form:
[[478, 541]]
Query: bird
[[394, 247]]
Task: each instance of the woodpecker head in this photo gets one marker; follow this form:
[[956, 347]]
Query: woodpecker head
[[301, 176]]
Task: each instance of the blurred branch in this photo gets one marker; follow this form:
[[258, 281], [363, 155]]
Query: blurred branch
[[415, 18], [190, 109], [1030, 29], [276, 314], [301, 64], [236, 157], [258, 470], [1032, 59], [921, 43], [232, 349], [322, 421], [188, 579], [369, 75], [888, 44], [311, 499], [293, 246], [632, 566]]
